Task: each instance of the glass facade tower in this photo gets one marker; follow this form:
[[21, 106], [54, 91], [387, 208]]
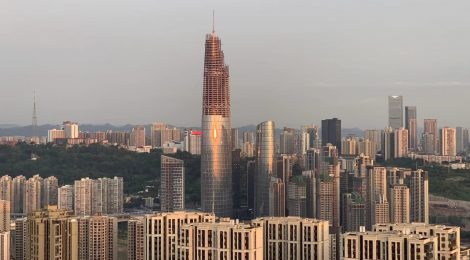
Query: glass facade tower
[[216, 157]]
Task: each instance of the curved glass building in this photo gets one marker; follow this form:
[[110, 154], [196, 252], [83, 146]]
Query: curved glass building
[[216, 157], [265, 165]]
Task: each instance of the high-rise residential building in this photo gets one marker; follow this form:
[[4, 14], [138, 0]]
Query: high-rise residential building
[[32, 195], [297, 197], [388, 144], [226, 239], [248, 149], [430, 127], [101, 196], [70, 129], [85, 203], [118, 138], [305, 140], [248, 144], [375, 195], [294, 238], [277, 197], [350, 146], [112, 194], [50, 188], [19, 239], [55, 134], [192, 141], [135, 239], [235, 139], [427, 143], [353, 212], [172, 184], [18, 194], [313, 188], [400, 204], [285, 164], [137, 137], [265, 166], [331, 132], [419, 196], [401, 143], [459, 140], [50, 235], [380, 211], [6, 190], [216, 161], [249, 136], [4, 216], [374, 136], [329, 198], [448, 237], [366, 148], [287, 141], [163, 231], [411, 124], [156, 134], [465, 138], [326, 200], [448, 141], [65, 197], [395, 111], [312, 159], [97, 237], [160, 134], [5, 245], [387, 245]]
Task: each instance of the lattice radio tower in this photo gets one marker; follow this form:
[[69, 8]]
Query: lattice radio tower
[[34, 123]]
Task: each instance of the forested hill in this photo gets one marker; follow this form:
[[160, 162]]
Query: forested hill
[[94, 161], [445, 182]]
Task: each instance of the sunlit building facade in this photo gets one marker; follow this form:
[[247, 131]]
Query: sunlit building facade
[[216, 161]]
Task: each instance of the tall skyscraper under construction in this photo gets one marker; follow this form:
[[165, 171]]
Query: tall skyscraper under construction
[[216, 161]]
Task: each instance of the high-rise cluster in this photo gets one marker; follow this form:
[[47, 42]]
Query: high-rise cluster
[[100, 196], [85, 197], [56, 234]]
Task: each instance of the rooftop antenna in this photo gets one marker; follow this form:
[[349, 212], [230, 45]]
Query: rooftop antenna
[[34, 123], [213, 21]]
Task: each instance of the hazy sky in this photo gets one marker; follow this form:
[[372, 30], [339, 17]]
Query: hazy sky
[[294, 62]]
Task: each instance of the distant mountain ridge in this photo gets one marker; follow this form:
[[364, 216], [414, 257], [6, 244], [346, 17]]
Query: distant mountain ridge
[[14, 130]]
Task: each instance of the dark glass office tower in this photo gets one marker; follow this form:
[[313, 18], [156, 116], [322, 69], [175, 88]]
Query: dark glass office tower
[[331, 133]]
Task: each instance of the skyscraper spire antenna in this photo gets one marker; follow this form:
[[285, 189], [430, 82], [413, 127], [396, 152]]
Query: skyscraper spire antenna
[[213, 21]]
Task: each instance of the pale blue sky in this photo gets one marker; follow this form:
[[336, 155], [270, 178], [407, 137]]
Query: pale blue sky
[[294, 62]]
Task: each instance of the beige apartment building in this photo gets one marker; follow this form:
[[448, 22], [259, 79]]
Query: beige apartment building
[[4, 216], [387, 245], [294, 238], [162, 232], [195, 235], [50, 235], [400, 208], [227, 239], [135, 239], [448, 246], [97, 237]]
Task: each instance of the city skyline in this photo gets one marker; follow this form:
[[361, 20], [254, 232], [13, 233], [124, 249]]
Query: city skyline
[[92, 61], [390, 184]]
